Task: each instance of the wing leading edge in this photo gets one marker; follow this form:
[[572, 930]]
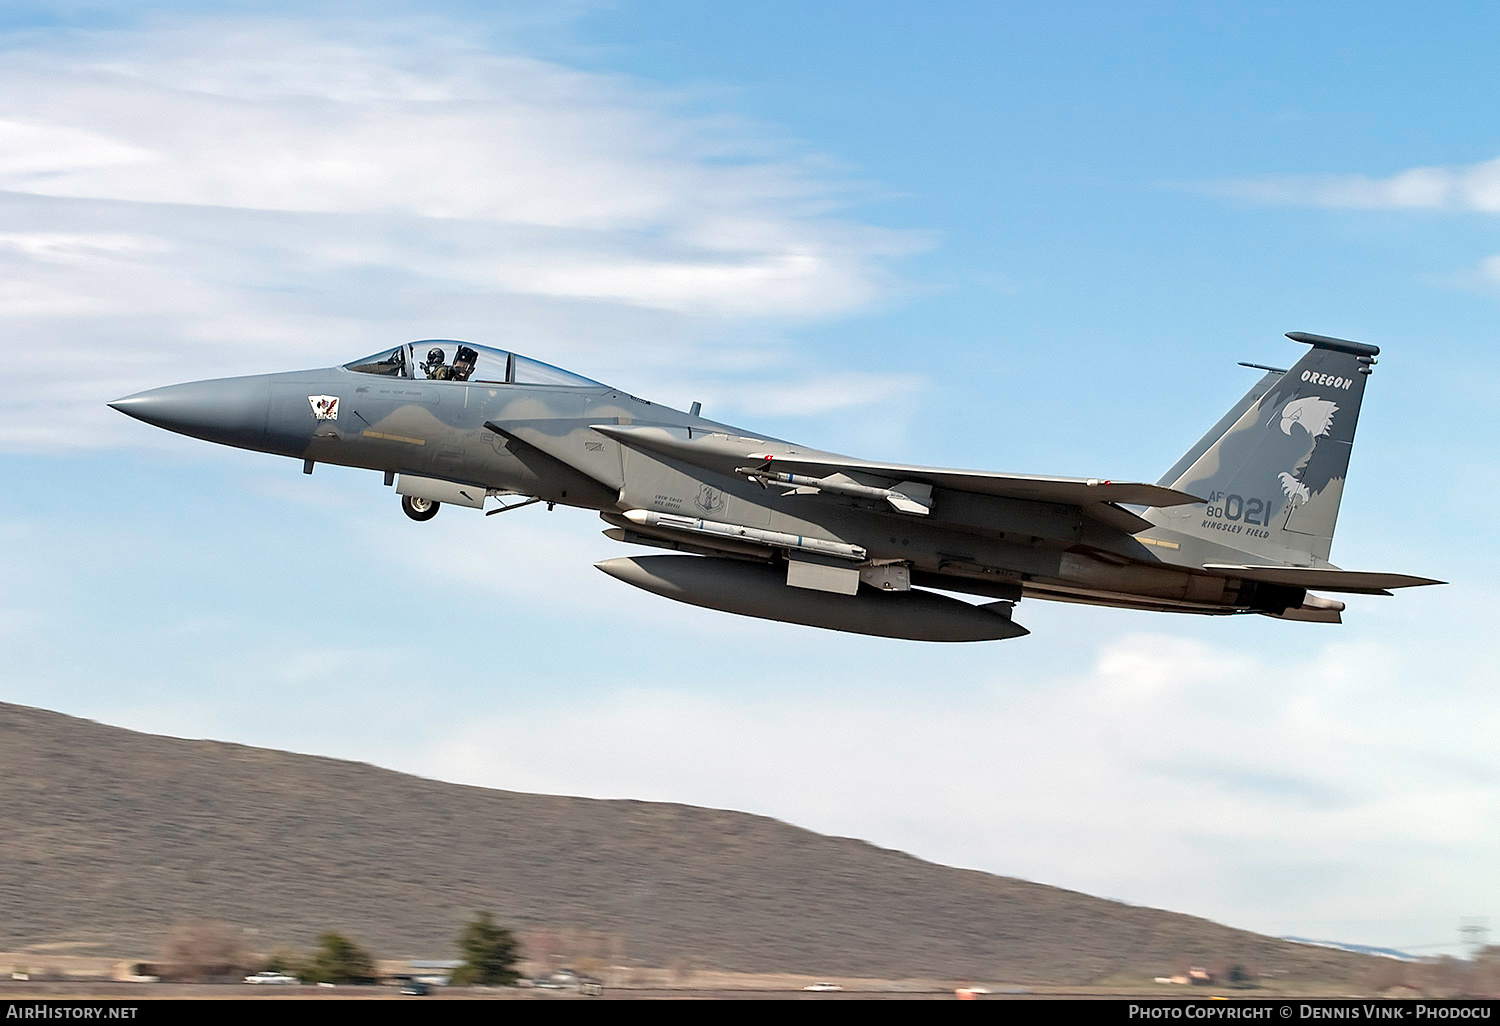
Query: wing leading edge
[[1099, 499], [1067, 491]]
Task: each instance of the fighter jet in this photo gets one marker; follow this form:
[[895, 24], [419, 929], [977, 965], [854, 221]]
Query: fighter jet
[[1242, 523]]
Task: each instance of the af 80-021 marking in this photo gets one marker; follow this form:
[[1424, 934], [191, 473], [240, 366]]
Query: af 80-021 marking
[[1237, 507]]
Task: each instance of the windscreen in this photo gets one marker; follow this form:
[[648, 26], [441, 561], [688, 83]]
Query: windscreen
[[391, 363]]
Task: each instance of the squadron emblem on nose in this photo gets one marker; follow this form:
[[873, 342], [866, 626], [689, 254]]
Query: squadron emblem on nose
[[325, 407]]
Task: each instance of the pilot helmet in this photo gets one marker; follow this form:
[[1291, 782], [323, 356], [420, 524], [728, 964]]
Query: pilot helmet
[[434, 356]]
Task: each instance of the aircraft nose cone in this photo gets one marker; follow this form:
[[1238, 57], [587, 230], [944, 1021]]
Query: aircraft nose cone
[[229, 410], [133, 405]]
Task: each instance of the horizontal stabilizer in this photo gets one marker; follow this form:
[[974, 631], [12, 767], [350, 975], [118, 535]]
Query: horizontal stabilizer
[[1319, 578]]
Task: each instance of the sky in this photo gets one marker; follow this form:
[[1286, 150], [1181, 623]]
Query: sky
[[1015, 237]]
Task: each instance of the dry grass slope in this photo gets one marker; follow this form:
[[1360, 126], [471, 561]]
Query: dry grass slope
[[112, 836]]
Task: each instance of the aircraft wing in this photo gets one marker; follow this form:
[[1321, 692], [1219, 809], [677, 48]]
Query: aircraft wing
[[719, 452], [1066, 491], [1320, 578]]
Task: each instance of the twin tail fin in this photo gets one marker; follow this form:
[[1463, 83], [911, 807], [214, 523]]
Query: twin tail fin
[[1272, 470]]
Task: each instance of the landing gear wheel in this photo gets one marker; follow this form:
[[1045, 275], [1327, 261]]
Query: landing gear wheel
[[418, 508]]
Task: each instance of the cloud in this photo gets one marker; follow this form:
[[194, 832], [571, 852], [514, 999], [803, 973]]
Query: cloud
[[210, 197], [1252, 776], [1468, 187], [814, 394], [35, 152]]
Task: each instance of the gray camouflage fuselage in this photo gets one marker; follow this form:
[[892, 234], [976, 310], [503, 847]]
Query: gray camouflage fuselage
[[856, 546]]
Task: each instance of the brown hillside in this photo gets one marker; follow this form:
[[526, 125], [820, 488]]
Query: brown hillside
[[109, 837]]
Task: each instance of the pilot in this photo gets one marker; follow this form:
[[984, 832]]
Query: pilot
[[435, 367]]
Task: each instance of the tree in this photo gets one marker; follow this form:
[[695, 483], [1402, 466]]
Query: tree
[[339, 960], [1239, 975], [490, 954]]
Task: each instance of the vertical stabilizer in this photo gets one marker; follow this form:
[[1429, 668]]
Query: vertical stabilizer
[[1226, 422], [1274, 475]]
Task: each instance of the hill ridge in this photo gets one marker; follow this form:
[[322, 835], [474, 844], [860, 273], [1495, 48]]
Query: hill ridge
[[114, 836]]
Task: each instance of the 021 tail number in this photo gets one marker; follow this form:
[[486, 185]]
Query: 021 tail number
[[1239, 508]]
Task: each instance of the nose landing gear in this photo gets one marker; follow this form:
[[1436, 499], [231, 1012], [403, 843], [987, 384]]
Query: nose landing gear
[[419, 509]]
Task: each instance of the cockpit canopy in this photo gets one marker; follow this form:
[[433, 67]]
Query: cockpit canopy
[[445, 359]]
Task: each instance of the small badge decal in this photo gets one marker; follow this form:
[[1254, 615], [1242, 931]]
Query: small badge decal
[[710, 500], [325, 407]]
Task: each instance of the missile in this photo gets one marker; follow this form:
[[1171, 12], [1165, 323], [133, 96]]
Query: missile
[[760, 589], [907, 497], [737, 532]]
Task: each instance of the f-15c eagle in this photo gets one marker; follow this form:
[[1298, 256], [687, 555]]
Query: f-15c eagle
[[1242, 523]]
